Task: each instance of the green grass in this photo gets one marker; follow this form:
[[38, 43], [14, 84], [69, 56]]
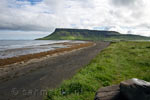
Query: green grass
[[120, 61]]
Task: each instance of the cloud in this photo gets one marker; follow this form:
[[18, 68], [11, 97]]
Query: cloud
[[21, 15], [129, 3], [19, 35], [45, 15]]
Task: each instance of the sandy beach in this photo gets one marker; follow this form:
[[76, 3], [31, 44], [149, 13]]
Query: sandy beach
[[16, 64], [46, 71], [25, 58]]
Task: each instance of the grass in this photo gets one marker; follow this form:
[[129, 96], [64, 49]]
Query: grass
[[120, 61]]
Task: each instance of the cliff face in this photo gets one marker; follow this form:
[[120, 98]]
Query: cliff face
[[85, 34]]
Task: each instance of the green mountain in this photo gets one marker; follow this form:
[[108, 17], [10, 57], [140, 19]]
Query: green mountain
[[85, 34]]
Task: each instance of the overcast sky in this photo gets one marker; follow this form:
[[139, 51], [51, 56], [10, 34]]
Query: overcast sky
[[29, 19]]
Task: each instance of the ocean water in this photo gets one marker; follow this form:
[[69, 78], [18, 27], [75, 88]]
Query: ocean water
[[11, 48]]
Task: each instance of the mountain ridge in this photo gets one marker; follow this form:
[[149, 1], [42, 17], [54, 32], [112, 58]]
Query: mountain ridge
[[86, 34]]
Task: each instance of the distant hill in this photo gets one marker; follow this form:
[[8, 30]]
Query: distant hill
[[85, 34]]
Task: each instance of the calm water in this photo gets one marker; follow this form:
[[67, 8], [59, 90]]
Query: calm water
[[13, 48]]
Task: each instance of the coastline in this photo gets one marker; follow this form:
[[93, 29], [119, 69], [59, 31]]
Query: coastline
[[18, 66], [45, 73], [28, 57]]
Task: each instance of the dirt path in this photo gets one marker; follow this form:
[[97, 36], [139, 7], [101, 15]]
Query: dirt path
[[49, 73]]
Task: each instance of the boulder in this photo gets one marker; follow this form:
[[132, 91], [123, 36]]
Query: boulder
[[135, 89], [108, 93]]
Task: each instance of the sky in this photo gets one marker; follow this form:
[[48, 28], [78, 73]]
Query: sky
[[30, 19]]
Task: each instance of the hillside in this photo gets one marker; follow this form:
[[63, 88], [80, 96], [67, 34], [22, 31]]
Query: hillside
[[84, 34]]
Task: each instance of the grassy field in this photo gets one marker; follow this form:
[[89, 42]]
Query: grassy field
[[120, 61]]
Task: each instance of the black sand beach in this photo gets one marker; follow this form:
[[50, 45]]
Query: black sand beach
[[32, 79]]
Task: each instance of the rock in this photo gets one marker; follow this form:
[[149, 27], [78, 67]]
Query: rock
[[108, 93], [135, 89]]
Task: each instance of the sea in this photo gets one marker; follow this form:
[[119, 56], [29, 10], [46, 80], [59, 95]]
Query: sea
[[13, 48]]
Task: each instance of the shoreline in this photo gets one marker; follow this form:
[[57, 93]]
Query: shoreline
[[28, 57], [45, 73]]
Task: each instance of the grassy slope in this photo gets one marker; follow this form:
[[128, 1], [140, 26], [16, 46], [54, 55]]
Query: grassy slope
[[120, 61], [96, 38], [110, 38], [77, 34]]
